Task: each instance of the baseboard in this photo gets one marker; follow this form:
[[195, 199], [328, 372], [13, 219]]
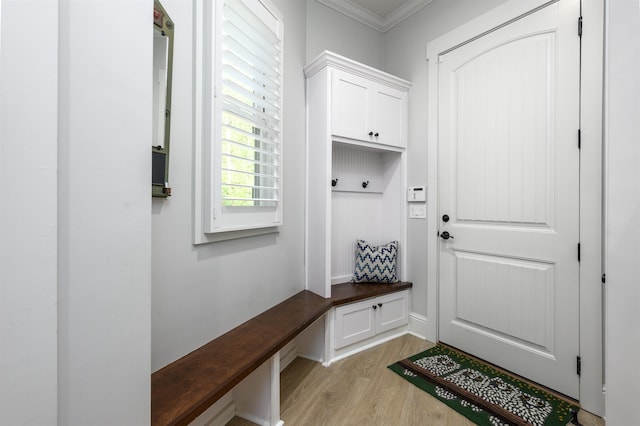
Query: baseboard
[[418, 325], [311, 358], [341, 279], [357, 348], [287, 355], [256, 420], [219, 414]]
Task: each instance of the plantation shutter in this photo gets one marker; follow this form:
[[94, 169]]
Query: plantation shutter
[[250, 139]]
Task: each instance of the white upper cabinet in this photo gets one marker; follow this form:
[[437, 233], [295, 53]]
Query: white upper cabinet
[[363, 109], [367, 105]]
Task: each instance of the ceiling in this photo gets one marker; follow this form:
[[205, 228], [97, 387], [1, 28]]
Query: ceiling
[[379, 14]]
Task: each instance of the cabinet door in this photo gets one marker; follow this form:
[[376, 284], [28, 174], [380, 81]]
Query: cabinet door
[[392, 312], [354, 322], [350, 106], [389, 115], [365, 110]]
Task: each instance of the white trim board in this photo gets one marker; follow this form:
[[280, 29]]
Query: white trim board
[[419, 326]]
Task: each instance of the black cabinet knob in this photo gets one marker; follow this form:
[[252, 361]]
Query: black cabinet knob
[[445, 218]]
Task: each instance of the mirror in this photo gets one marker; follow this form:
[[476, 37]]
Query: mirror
[[162, 73]]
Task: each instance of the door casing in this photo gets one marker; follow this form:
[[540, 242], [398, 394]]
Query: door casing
[[591, 266]]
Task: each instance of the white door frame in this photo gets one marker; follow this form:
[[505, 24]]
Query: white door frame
[[591, 270]]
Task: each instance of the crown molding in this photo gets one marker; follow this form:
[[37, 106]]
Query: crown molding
[[333, 60], [365, 16]]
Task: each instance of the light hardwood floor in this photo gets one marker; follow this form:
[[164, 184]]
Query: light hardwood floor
[[360, 390]]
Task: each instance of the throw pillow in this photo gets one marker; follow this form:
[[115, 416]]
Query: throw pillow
[[375, 264]]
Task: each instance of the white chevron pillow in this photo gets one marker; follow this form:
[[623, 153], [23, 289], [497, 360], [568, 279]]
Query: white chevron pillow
[[375, 264]]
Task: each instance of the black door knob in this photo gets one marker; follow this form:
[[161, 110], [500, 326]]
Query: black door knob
[[445, 218], [445, 235]]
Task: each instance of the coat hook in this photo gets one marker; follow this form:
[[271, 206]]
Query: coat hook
[[365, 184], [334, 182]]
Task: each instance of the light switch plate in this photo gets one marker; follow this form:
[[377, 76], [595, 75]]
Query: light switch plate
[[417, 211]]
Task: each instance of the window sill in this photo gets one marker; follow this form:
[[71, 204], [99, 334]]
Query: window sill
[[203, 238]]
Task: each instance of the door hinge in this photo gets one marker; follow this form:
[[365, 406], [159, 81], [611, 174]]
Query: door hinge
[[580, 26], [604, 278], [579, 138], [578, 252], [578, 365]]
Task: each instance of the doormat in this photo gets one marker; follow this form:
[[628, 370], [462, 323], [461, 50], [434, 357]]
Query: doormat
[[482, 393]]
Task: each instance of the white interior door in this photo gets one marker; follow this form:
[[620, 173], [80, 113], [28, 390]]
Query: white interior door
[[508, 163]]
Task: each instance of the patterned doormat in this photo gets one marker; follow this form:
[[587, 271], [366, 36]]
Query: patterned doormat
[[481, 393]]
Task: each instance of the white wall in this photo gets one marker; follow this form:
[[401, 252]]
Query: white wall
[[328, 29], [622, 212], [200, 292], [405, 49], [104, 211], [28, 213]]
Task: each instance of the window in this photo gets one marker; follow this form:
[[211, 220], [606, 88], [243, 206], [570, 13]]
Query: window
[[241, 116]]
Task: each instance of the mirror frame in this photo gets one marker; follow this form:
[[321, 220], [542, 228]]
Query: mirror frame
[[165, 25]]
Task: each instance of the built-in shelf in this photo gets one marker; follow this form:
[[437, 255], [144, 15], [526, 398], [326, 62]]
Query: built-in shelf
[[357, 134]]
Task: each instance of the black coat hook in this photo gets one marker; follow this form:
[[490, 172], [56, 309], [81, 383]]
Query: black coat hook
[[365, 184], [334, 182]]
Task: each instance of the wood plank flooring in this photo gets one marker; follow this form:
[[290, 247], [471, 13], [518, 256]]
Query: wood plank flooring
[[360, 390]]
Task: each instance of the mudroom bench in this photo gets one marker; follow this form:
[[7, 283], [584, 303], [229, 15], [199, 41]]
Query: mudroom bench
[[189, 386]]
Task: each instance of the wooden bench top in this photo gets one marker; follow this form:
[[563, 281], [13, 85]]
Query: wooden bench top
[[188, 386], [342, 294]]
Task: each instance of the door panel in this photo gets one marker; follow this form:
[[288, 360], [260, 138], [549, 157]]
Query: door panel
[[522, 313], [508, 179], [505, 173]]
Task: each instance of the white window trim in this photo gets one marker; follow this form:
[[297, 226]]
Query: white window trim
[[202, 57]]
